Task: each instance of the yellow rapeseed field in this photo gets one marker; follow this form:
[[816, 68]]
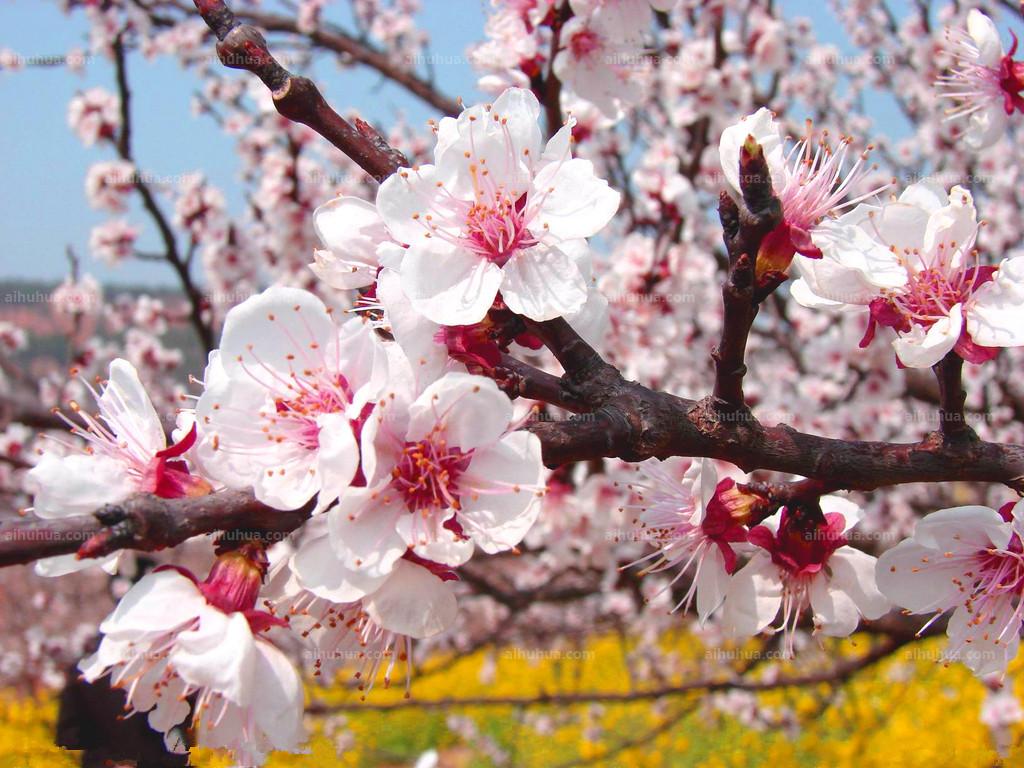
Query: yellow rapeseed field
[[907, 711]]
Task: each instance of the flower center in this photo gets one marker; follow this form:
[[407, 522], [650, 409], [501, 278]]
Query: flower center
[[428, 474], [496, 228], [931, 293], [295, 418], [584, 43]]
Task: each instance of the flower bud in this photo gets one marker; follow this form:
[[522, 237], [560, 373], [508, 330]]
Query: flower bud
[[234, 581]]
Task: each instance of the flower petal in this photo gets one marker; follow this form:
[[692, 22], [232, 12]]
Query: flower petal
[[543, 283], [413, 602]]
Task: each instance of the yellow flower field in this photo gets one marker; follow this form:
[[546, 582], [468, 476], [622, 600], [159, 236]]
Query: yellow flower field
[[906, 711]]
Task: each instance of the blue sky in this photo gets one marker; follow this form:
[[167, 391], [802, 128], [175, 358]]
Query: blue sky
[[42, 202]]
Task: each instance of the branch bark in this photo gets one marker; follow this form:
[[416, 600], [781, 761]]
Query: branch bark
[[242, 46], [146, 523]]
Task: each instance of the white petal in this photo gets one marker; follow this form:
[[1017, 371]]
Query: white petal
[[919, 578], [761, 125], [753, 598], [413, 602], [980, 647], [986, 37], [573, 202], [835, 613], [920, 349], [219, 654], [543, 283], [507, 477], [450, 287], [712, 584], [447, 548], [405, 198], [471, 410], [927, 195], [78, 484], [963, 529], [161, 601], [851, 512], [319, 569], [350, 228], [61, 565], [337, 457], [853, 572], [278, 707], [413, 332], [996, 315], [952, 228], [291, 480], [362, 530], [126, 407], [271, 334]]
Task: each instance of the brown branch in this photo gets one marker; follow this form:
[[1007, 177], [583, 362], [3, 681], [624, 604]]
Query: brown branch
[[744, 227], [297, 98], [197, 301], [519, 379], [952, 398], [333, 38], [143, 522]]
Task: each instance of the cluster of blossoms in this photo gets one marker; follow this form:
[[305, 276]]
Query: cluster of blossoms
[[797, 557], [388, 428]]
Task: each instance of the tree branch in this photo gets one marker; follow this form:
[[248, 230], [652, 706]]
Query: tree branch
[[197, 301], [143, 522], [952, 398], [297, 98]]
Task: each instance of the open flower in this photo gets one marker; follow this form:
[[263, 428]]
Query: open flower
[[984, 84], [351, 231], [811, 182], [601, 52], [913, 264], [172, 637], [126, 452], [693, 527], [445, 473], [497, 211], [94, 114], [804, 563], [968, 560], [285, 398], [358, 621]]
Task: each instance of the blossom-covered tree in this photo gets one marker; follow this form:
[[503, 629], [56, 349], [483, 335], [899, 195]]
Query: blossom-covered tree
[[508, 379]]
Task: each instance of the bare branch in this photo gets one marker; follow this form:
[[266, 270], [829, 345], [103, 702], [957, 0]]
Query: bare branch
[[952, 397], [243, 46], [197, 301], [143, 522]]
